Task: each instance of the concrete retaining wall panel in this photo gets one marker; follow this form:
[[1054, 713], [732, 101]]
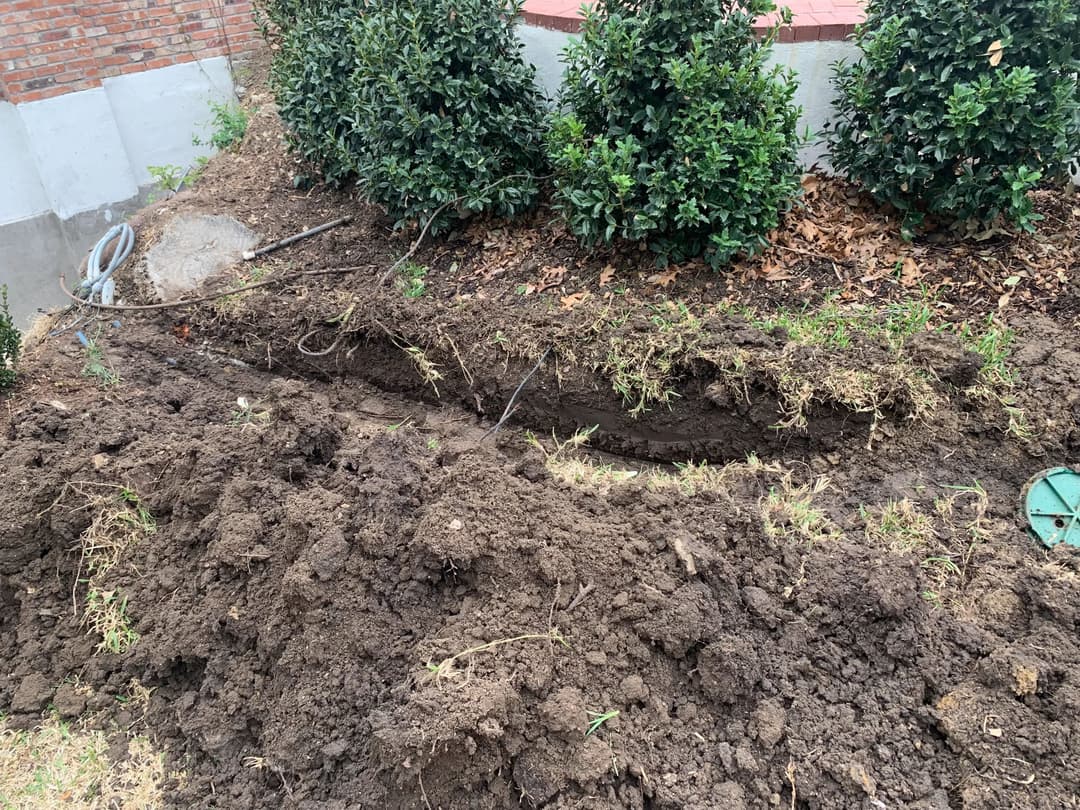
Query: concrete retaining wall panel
[[22, 194], [78, 150], [158, 111]]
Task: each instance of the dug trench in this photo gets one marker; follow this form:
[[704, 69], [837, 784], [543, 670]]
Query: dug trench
[[330, 584], [343, 597]]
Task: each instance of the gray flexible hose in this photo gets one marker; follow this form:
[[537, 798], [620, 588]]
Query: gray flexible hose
[[98, 284]]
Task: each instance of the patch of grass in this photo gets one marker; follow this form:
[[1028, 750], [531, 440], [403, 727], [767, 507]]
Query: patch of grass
[[993, 342], [964, 526], [229, 122], [788, 512], [97, 367], [826, 325], [250, 414], [229, 304], [447, 668], [106, 615], [642, 366], [692, 478], [411, 279], [966, 507], [565, 464], [898, 525], [120, 521], [597, 719], [63, 765], [641, 372]]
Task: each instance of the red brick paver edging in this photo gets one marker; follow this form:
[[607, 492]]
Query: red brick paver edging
[[814, 20]]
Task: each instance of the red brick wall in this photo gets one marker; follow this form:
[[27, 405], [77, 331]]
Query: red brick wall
[[48, 47]]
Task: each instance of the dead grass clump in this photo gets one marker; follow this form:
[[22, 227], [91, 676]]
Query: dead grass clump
[[788, 512], [120, 521], [64, 765], [899, 526]]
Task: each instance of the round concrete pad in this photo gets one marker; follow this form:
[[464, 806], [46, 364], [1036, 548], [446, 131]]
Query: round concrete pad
[[194, 247]]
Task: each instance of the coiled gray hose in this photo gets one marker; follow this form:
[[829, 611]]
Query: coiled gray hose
[[98, 286]]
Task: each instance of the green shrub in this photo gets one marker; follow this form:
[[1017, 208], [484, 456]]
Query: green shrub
[[957, 109], [446, 108], [673, 130], [424, 101], [276, 17], [10, 342], [312, 77]]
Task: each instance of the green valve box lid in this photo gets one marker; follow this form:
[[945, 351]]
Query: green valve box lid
[[1052, 506]]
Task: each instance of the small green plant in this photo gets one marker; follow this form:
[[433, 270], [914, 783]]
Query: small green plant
[[433, 444], [957, 110], [229, 122], [96, 366], [10, 342], [411, 279], [196, 172], [673, 129], [167, 178], [250, 414], [106, 615], [598, 719]]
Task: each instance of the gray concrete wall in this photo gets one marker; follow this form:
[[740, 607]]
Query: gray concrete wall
[[75, 164]]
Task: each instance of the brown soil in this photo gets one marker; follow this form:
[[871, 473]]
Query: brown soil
[[369, 600]]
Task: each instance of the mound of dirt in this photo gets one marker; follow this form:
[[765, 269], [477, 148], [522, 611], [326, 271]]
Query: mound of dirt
[[304, 526], [356, 601]]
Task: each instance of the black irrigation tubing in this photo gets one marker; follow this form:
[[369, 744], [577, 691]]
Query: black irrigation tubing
[[510, 405], [203, 298]]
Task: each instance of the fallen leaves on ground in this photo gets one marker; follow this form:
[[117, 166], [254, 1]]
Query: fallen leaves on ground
[[572, 300], [549, 277], [665, 278]]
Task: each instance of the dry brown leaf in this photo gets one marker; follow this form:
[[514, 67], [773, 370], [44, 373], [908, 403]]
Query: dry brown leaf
[[808, 230], [995, 52], [778, 274], [571, 301], [607, 275], [909, 271], [665, 278], [810, 183], [549, 277]]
